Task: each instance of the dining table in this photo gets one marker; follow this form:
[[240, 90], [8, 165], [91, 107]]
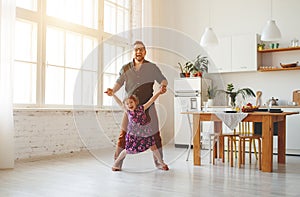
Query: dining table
[[266, 118]]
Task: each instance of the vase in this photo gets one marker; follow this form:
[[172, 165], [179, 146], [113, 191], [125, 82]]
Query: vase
[[182, 75], [210, 102], [187, 74], [232, 101]]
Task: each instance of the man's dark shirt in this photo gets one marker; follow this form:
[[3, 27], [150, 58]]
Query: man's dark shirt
[[140, 83]]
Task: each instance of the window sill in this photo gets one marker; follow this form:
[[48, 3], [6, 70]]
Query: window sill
[[19, 109]]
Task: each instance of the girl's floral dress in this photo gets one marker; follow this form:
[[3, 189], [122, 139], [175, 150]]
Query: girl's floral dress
[[139, 135]]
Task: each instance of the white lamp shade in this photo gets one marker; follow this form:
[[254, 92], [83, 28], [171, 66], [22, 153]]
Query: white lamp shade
[[209, 38], [271, 32]]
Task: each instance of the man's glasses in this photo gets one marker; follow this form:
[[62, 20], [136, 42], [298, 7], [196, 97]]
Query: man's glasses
[[139, 49]]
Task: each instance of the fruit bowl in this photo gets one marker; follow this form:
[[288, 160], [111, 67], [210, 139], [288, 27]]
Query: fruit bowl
[[249, 108]]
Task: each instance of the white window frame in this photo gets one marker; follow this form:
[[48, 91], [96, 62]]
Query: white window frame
[[42, 21]]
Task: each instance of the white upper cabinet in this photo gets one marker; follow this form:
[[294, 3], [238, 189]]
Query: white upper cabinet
[[234, 54], [220, 56], [244, 53]]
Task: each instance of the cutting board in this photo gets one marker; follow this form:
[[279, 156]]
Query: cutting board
[[296, 96]]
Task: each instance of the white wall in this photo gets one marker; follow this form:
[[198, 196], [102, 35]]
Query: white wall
[[232, 17]]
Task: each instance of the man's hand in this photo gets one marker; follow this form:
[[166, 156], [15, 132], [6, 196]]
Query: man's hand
[[109, 92]]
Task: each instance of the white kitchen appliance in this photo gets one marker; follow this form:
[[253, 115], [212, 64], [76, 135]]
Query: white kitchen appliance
[[189, 94]]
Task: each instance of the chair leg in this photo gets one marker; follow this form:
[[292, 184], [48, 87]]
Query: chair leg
[[228, 147], [231, 151], [235, 150], [255, 151], [250, 150], [209, 149], [244, 152], [259, 153], [240, 153]]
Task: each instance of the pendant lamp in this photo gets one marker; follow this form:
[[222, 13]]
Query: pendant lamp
[[271, 32], [209, 37]]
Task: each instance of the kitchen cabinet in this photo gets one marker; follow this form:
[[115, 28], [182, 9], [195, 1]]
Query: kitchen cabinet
[[244, 53], [270, 59], [292, 132], [220, 56], [236, 53]]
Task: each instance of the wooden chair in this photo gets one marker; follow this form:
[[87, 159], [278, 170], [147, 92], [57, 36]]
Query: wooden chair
[[244, 129], [242, 145], [231, 145]]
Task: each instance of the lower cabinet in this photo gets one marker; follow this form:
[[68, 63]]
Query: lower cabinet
[[292, 132]]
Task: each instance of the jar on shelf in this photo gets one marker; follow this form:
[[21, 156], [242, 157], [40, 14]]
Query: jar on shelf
[[294, 42]]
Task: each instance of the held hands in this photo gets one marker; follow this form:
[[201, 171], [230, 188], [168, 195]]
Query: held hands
[[109, 92], [163, 89]]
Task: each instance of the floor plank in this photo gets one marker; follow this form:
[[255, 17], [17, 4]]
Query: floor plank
[[89, 174]]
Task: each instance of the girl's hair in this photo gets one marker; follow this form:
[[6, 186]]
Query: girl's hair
[[133, 97]]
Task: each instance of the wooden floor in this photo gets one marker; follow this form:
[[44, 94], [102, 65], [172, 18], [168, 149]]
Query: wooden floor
[[89, 174]]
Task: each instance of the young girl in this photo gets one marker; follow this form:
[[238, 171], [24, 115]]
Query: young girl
[[139, 136]]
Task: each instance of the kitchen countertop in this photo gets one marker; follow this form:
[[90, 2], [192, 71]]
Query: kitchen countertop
[[278, 106]]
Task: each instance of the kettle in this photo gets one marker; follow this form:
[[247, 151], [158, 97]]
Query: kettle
[[273, 101]]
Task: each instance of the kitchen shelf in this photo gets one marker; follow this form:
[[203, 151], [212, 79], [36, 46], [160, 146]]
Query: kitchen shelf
[[278, 69], [278, 50], [261, 52]]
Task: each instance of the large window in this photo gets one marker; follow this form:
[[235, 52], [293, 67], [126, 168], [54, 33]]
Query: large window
[[57, 60], [67, 69]]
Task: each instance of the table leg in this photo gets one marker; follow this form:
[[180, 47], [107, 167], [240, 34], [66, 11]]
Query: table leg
[[218, 130], [281, 141], [267, 144], [196, 141]]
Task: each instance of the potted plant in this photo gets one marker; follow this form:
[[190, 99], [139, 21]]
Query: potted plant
[[186, 69], [261, 46], [245, 92], [201, 64], [195, 67]]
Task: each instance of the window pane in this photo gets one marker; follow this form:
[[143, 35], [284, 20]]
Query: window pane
[[109, 55], [114, 58], [107, 82], [54, 88], [81, 87], [90, 16], [82, 12], [109, 18], [90, 54], [26, 41], [27, 4], [73, 50], [24, 83], [89, 88], [117, 16], [124, 3], [71, 77], [25, 68], [55, 46]]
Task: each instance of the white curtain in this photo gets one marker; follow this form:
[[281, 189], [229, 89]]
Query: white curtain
[[7, 23]]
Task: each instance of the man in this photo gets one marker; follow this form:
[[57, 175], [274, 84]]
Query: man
[[139, 77]]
